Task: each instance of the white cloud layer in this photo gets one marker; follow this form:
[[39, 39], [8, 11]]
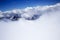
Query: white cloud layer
[[29, 13], [46, 27]]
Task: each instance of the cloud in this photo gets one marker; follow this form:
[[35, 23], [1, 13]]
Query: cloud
[[29, 13], [46, 27]]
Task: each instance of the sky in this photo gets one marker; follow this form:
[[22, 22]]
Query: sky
[[15, 4], [29, 20]]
